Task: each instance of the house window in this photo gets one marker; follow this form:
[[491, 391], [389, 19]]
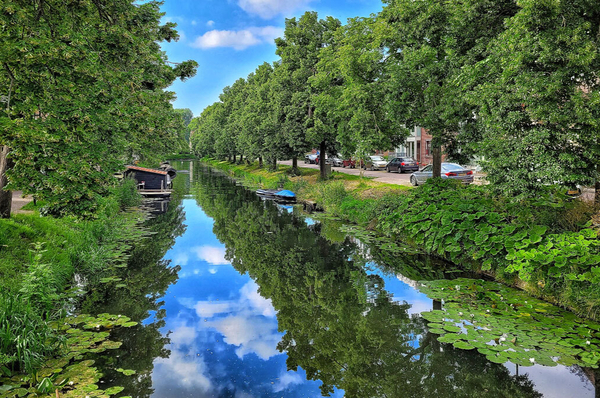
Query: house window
[[428, 148]]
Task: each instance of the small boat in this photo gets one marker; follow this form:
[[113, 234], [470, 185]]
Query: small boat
[[277, 195]]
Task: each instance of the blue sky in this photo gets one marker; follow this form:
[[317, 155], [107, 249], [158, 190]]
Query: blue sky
[[230, 38]]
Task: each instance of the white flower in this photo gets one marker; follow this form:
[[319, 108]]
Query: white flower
[[502, 339], [588, 342], [71, 383], [532, 360], [460, 313], [487, 310], [457, 287], [472, 315]]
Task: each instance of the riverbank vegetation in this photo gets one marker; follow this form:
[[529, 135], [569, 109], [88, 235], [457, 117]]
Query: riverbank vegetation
[[39, 259], [548, 245], [83, 93]]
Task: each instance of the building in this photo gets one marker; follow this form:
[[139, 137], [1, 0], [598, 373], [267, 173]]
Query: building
[[417, 146], [149, 178]]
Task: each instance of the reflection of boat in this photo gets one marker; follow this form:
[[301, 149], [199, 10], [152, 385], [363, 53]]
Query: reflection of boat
[[277, 195]]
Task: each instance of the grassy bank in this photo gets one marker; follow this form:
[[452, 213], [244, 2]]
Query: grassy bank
[[547, 246], [39, 258]]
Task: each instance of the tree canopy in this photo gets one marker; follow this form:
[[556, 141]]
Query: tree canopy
[[514, 83], [83, 92]]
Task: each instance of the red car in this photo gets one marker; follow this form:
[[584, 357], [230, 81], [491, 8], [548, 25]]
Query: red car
[[349, 163]]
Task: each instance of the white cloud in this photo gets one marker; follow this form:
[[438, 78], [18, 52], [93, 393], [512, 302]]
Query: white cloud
[[211, 254], [250, 334], [208, 309], [238, 40], [181, 259], [187, 371], [183, 335], [194, 22], [287, 379], [263, 306], [210, 24], [268, 9]]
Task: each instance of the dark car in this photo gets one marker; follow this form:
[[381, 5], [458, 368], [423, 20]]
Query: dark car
[[449, 170], [311, 158], [402, 164]]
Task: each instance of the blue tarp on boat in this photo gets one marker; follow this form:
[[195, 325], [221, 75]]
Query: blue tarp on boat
[[286, 194]]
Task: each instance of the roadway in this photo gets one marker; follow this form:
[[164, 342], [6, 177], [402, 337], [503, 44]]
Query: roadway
[[379, 176]]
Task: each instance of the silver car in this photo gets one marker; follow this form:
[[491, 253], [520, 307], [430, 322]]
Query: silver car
[[449, 171]]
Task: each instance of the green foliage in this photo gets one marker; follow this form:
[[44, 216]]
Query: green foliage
[[38, 258], [88, 97], [25, 337], [509, 325], [470, 223], [536, 96]]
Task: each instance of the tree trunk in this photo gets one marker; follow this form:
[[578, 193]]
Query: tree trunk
[[322, 156], [437, 161], [5, 196], [241, 158], [274, 164], [295, 164], [597, 191], [234, 158], [260, 162]]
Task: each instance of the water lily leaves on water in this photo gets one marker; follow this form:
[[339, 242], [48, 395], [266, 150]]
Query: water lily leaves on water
[[463, 345], [450, 338], [497, 358], [452, 328], [495, 318], [126, 372], [113, 390], [437, 331]]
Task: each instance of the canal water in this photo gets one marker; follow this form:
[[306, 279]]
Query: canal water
[[240, 297]]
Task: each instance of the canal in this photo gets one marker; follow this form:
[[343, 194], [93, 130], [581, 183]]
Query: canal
[[240, 297]]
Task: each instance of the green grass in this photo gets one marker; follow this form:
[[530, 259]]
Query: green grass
[[38, 258]]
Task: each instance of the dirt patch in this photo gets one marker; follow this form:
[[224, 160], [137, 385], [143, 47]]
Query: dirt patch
[[18, 201]]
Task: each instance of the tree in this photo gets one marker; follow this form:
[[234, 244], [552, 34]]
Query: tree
[[299, 51], [351, 88], [187, 115], [538, 99], [83, 87], [428, 44]]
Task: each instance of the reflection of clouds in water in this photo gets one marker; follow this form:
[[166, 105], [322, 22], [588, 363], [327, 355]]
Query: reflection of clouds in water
[[183, 335], [416, 307], [555, 382], [184, 370], [243, 395], [250, 293], [211, 254], [251, 334], [248, 323], [181, 259], [287, 379]]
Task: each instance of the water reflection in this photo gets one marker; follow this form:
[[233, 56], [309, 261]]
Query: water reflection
[[253, 301]]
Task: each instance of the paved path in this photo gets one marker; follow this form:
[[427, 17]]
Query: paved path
[[379, 176], [18, 201]]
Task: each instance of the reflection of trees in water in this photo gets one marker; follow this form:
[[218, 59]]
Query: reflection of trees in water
[[147, 278], [340, 325]]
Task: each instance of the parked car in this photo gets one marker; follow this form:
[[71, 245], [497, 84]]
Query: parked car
[[337, 162], [311, 158], [349, 163], [327, 159], [449, 170], [402, 164], [374, 162]]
